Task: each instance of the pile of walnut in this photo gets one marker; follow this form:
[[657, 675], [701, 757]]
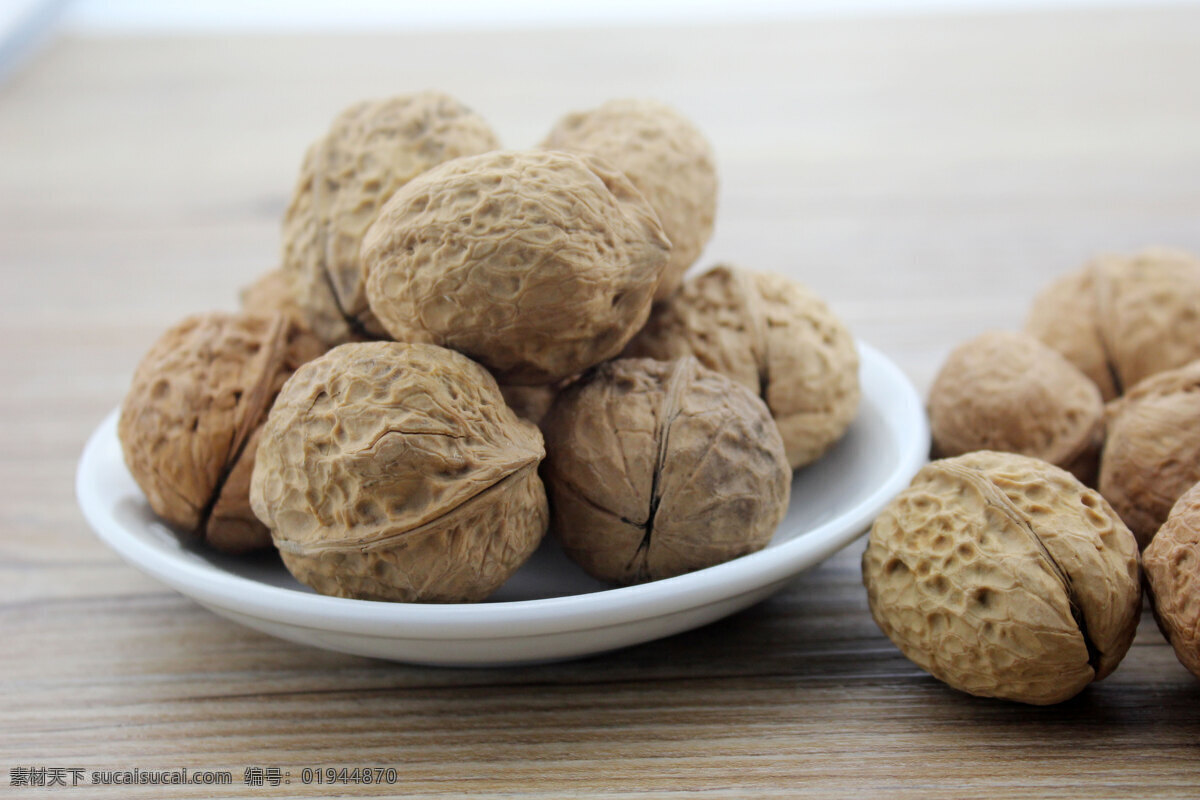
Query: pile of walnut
[[998, 570], [374, 411]]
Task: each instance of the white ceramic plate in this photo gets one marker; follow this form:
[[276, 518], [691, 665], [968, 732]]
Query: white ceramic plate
[[549, 609]]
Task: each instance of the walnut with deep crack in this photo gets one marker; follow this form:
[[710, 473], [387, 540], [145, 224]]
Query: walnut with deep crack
[[189, 421], [1004, 576], [659, 468]]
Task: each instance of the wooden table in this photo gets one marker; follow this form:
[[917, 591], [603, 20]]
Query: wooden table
[[927, 175]]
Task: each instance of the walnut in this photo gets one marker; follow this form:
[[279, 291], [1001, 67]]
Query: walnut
[[666, 157], [1152, 450], [271, 294], [188, 422], [536, 264], [372, 149], [660, 468], [1004, 576], [1007, 391], [1122, 319], [771, 335], [394, 471], [1172, 565]]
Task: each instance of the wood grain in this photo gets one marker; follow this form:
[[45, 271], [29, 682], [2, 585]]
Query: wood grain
[[927, 175]]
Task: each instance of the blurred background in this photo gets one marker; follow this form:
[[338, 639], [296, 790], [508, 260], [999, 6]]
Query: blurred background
[[953, 153]]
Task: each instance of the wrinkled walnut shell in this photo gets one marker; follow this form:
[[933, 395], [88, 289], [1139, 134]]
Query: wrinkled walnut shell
[[666, 157], [660, 468], [189, 420], [1121, 319], [1007, 391], [372, 149], [536, 264], [1004, 576], [774, 337], [1172, 565], [1152, 449], [394, 471]]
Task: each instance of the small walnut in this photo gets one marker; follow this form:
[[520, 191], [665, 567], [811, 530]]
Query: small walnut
[[1004, 576], [537, 264], [1172, 565], [774, 337], [372, 149], [666, 157], [1007, 391], [393, 471], [530, 402], [660, 468], [189, 421], [1152, 450], [1122, 319], [271, 294]]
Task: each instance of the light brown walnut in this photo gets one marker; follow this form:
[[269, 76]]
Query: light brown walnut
[[372, 149], [1123, 318], [188, 422], [1004, 576], [271, 294], [771, 335], [1152, 448], [393, 471], [1007, 391], [660, 468], [536, 264], [666, 157], [1172, 565]]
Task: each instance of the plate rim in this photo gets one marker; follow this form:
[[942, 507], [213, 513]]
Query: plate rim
[[617, 606]]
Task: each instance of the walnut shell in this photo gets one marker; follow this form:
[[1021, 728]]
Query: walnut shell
[[372, 149], [1004, 576], [660, 468], [271, 293], [771, 335], [666, 157], [1152, 450], [394, 471], [1007, 391], [537, 264], [1122, 319], [1172, 565], [188, 422]]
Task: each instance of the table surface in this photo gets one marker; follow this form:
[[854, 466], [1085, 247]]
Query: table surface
[[926, 175]]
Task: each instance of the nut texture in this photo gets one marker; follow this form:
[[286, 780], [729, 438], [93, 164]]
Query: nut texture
[[666, 157], [537, 264], [1007, 391], [1004, 576], [1172, 565], [771, 335], [1122, 319], [271, 294], [372, 149], [660, 468], [394, 471], [1152, 451], [188, 421]]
